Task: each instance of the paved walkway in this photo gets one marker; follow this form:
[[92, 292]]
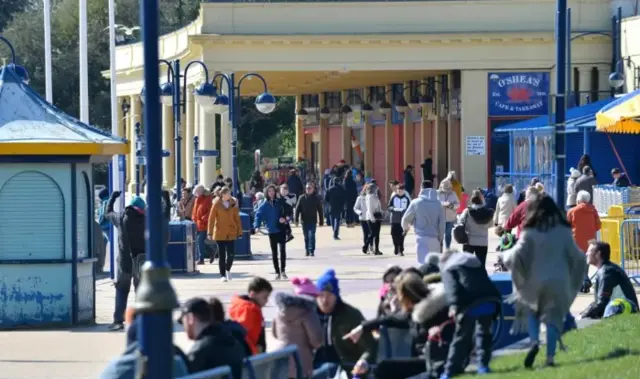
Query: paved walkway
[[83, 352]]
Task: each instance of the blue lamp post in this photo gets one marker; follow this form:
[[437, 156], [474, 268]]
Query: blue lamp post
[[139, 157], [265, 103], [19, 70], [560, 102], [155, 298], [170, 93], [196, 160]]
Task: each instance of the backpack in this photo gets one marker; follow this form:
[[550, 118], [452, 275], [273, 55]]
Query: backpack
[[460, 231]]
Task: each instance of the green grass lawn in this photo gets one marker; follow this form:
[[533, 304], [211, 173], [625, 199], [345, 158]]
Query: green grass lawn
[[607, 350]]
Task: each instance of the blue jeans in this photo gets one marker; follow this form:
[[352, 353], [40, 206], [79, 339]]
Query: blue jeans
[[309, 232], [448, 228], [533, 326], [202, 247], [335, 223]]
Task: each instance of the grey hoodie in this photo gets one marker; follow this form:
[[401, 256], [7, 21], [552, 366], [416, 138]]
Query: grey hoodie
[[426, 215]]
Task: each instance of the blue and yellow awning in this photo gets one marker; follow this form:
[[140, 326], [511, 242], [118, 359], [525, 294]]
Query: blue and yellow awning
[[621, 115]]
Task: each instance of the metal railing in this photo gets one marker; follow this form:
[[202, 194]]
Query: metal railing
[[223, 372], [630, 248], [326, 371]]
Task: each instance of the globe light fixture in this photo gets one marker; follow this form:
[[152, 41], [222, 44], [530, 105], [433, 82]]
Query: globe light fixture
[[346, 109], [205, 94], [616, 80], [414, 103], [265, 103], [166, 94], [425, 101], [385, 107], [325, 113], [402, 105], [367, 109], [302, 114]]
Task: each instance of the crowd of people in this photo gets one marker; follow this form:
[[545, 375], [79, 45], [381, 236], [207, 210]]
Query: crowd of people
[[446, 305]]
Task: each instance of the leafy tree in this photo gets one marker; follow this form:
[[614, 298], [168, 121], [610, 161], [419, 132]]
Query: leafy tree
[[24, 28]]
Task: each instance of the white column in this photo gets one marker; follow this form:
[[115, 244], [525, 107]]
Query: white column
[[225, 141], [207, 134], [585, 84], [603, 81], [134, 117], [188, 136], [168, 163]]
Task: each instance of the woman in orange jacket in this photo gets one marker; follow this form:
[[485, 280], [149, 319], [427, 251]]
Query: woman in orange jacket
[[225, 228], [585, 221], [200, 215]]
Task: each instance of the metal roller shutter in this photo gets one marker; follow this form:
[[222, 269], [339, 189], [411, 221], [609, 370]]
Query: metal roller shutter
[[604, 159], [575, 148], [39, 232]]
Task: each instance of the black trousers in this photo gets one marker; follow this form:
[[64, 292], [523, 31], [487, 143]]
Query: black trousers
[[226, 253], [478, 251], [277, 240], [466, 329], [397, 235], [374, 240], [399, 368], [366, 234]]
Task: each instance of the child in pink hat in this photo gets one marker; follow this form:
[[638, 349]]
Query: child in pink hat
[[304, 286]]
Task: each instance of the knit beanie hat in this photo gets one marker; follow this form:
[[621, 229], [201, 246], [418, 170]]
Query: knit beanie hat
[[304, 286], [138, 202], [103, 194], [328, 282]]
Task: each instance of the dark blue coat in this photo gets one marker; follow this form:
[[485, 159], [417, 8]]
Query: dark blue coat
[[336, 198], [351, 190]]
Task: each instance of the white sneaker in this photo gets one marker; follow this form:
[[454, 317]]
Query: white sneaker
[[228, 275], [223, 279], [284, 276], [277, 277]]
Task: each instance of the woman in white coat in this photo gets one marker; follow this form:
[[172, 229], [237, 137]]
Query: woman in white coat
[[505, 206], [360, 208]]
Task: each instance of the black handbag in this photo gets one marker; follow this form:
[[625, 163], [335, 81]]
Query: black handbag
[[460, 231]]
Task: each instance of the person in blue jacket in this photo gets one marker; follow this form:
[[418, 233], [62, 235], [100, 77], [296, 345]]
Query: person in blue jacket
[[336, 199], [271, 213]]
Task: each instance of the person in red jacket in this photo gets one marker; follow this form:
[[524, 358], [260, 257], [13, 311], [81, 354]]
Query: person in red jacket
[[584, 220], [200, 215], [520, 213], [247, 311]]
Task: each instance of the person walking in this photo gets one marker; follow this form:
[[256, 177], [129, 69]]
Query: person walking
[[336, 199], [200, 215], [225, 228], [450, 202], [505, 206], [294, 183], [374, 216], [398, 205], [351, 193], [131, 251], [409, 180], [547, 270], [309, 208], [297, 323], [271, 213], [477, 221], [186, 204], [586, 182], [360, 208], [584, 220], [571, 187], [427, 216]]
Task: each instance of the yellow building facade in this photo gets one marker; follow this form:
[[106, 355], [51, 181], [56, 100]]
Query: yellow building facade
[[327, 51]]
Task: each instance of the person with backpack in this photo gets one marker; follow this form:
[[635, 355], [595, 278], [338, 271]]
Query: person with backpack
[[475, 221], [398, 205]]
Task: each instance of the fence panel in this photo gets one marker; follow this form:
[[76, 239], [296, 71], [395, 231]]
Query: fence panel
[[326, 371], [223, 372], [274, 365], [630, 248]]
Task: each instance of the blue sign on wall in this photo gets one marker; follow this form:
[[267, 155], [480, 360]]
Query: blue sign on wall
[[518, 93]]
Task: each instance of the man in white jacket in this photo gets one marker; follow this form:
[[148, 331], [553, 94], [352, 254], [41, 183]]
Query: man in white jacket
[[426, 214]]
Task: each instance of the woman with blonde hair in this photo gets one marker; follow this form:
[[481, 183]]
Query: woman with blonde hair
[[450, 202]]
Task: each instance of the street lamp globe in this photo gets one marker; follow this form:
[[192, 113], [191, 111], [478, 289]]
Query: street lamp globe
[[205, 94], [385, 107], [325, 113], [166, 94], [616, 80], [302, 114], [266, 103], [425, 101], [346, 109], [367, 109], [220, 103], [402, 105], [414, 103]]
